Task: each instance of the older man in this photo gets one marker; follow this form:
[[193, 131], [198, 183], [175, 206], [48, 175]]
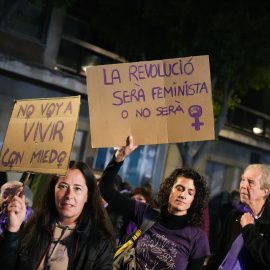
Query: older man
[[7, 192], [245, 238]]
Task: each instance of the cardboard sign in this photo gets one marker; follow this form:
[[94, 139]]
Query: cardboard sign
[[156, 102], [40, 135]]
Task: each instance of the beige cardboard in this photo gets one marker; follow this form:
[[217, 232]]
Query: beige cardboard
[[40, 135], [183, 113]]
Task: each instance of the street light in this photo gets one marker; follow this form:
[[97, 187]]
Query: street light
[[258, 128]]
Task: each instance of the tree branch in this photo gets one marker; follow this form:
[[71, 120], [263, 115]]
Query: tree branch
[[221, 119]]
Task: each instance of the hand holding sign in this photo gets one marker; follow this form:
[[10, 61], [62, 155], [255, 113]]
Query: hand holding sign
[[124, 151], [16, 211]]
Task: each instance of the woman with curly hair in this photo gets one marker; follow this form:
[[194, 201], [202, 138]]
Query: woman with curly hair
[[176, 240], [68, 230]]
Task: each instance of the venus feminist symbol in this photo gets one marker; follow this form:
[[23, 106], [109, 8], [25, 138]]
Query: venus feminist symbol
[[195, 111]]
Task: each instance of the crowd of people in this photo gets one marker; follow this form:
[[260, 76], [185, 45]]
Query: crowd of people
[[82, 217]]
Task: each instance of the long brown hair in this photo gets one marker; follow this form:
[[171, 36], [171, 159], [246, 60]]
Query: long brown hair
[[93, 217]]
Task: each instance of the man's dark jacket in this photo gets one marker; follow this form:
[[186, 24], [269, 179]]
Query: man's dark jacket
[[256, 238]]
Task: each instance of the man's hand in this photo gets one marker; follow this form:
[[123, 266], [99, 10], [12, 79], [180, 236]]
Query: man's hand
[[16, 211], [124, 151], [246, 219]]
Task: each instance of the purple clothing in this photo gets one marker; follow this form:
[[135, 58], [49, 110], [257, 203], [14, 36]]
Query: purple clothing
[[237, 255], [4, 220], [233, 259], [163, 248], [131, 227]]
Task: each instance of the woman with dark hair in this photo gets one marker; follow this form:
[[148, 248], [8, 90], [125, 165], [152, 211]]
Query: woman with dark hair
[[176, 240], [143, 194], [196, 207], [70, 228]]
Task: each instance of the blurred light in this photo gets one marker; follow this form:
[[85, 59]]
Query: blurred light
[[90, 61], [258, 129], [84, 68]]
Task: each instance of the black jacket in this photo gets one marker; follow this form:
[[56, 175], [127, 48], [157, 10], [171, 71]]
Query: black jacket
[[256, 238], [82, 256]]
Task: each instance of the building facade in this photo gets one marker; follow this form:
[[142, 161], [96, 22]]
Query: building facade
[[44, 52]]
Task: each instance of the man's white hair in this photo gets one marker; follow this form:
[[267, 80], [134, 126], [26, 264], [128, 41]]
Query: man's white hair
[[265, 179]]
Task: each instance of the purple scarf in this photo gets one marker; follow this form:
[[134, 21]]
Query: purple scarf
[[236, 257]]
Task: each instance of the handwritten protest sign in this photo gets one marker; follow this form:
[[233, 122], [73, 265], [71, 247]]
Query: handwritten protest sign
[[164, 101], [40, 135]]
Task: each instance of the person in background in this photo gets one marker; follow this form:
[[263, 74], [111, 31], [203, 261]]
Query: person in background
[[126, 188], [141, 194], [7, 192], [226, 208], [69, 229], [244, 242], [176, 240]]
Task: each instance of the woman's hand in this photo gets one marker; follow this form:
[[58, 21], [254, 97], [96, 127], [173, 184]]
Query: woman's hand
[[124, 151], [16, 211]]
